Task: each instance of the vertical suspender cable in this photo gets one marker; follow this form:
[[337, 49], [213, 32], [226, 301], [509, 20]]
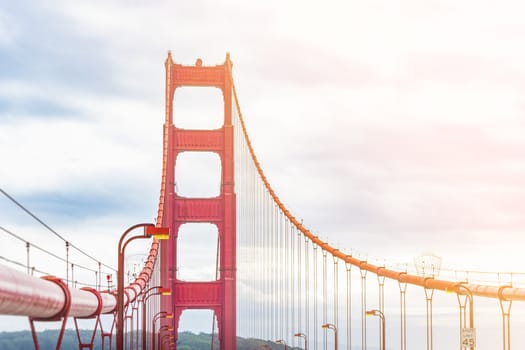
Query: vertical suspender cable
[[429, 293], [307, 287], [266, 269], [363, 309], [253, 253], [276, 272], [67, 263], [287, 278], [264, 266], [299, 283], [269, 263], [254, 258], [403, 315], [271, 277], [27, 252], [260, 263], [325, 296], [316, 304], [99, 275], [281, 275], [381, 282], [292, 280], [73, 275], [275, 280], [270, 280], [278, 326], [263, 263], [349, 305], [336, 291]]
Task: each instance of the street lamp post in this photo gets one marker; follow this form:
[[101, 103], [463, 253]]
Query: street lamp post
[[334, 328], [170, 338], [149, 231], [470, 299], [161, 314], [159, 291], [164, 328], [280, 341], [382, 317], [302, 335]]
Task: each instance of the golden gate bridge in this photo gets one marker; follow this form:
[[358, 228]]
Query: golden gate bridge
[[276, 281]]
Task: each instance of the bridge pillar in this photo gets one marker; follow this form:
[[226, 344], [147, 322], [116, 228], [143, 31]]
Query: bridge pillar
[[220, 295]]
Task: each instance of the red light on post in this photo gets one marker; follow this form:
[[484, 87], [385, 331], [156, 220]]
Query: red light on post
[[157, 232], [164, 291]]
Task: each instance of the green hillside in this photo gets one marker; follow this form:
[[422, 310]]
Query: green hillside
[[47, 339]]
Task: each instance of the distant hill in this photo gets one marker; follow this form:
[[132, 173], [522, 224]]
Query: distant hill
[[47, 339]]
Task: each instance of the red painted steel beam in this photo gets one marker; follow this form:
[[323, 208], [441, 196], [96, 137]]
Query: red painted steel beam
[[198, 294]]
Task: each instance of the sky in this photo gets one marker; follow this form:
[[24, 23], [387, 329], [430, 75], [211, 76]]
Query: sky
[[394, 122]]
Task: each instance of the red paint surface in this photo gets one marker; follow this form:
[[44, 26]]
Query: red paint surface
[[174, 210]]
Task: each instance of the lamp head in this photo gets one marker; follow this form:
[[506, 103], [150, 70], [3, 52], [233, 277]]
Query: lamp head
[[372, 312], [164, 291], [157, 232]]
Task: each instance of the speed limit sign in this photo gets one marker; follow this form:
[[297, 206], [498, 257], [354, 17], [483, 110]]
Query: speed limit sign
[[468, 337]]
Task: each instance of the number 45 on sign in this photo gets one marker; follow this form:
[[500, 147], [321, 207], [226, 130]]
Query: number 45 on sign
[[468, 337]]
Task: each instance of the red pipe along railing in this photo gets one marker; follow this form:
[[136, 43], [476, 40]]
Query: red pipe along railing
[[24, 295], [501, 292]]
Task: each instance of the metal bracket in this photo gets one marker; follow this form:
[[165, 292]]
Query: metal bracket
[[95, 314], [62, 315]]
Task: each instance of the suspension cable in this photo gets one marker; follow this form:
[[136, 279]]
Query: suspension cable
[[50, 229], [43, 250]]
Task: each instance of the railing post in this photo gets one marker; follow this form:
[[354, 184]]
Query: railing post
[[363, 306], [429, 293], [505, 306], [468, 298], [381, 301], [336, 290], [349, 304], [403, 311], [62, 315]]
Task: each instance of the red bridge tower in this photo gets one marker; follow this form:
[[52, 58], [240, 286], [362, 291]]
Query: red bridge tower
[[218, 295]]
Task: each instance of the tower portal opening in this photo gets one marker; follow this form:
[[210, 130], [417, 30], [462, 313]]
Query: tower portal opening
[[199, 108], [197, 252], [198, 174]]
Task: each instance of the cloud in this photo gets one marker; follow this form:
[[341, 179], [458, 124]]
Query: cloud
[[389, 130]]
